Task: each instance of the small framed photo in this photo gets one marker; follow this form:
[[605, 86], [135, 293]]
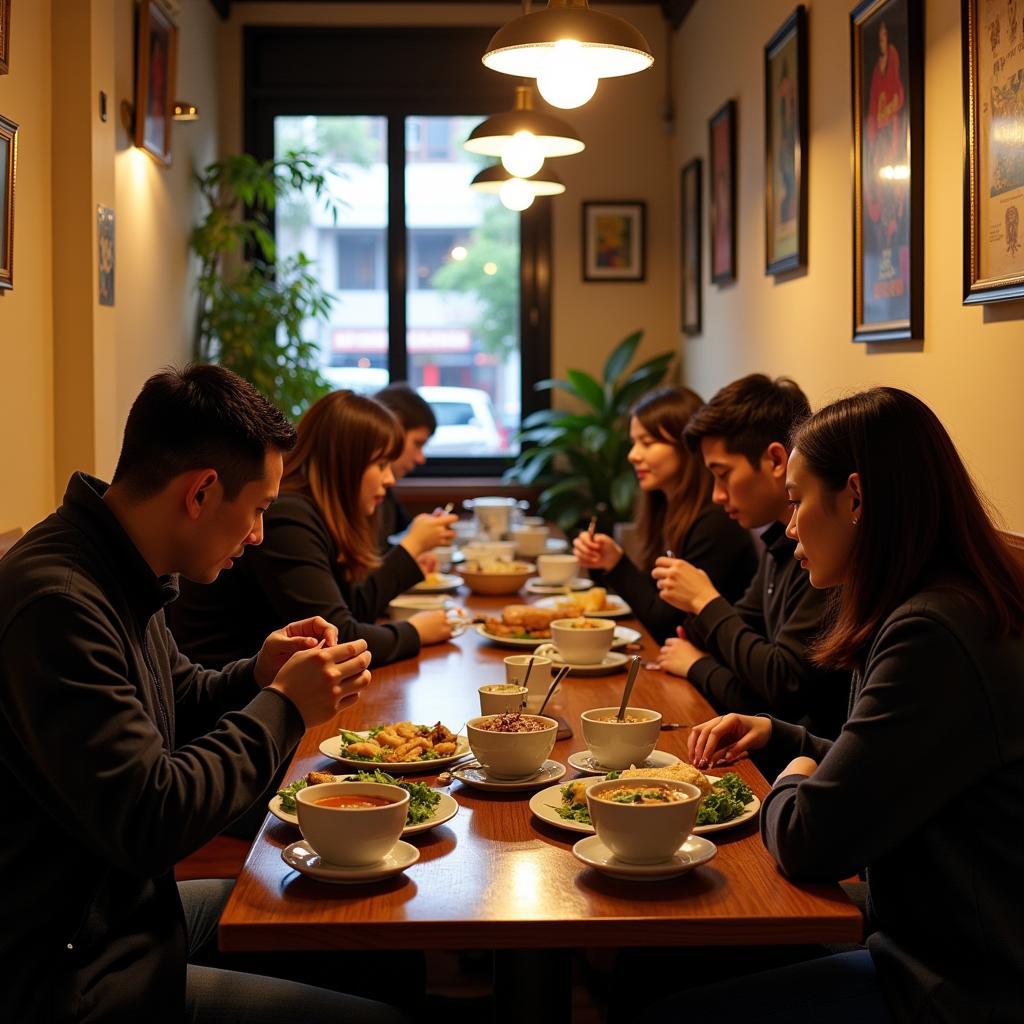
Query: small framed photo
[[156, 60], [785, 138], [8, 174], [613, 241], [886, 38], [690, 194], [5, 36], [722, 201], [993, 74]]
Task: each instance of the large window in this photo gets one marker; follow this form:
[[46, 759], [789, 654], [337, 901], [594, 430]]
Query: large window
[[433, 282]]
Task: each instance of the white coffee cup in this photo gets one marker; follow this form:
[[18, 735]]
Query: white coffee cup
[[581, 646], [444, 557], [616, 745], [539, 681], [557, 569], [496, 698], [530, 540], [406, 605], [355, 836]]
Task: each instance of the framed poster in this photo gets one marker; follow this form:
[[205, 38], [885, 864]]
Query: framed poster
[[156, 53], [785, 142], [888, 170], [5, 36], [690, 185], [613, 241], [993, 83], [722, 201], [8, 174]]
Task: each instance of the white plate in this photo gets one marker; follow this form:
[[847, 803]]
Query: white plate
[[694, 852], [331, 747], [617, 609], [537, 586], [624, 636], [613, 661], [510, 641], [584, 762], [445, 583], [445, 810], [302, 857], [549, 771], [545, 806]]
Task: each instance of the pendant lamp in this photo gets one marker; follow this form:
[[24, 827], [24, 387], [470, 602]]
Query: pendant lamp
[[517, 193], [523, 137], [567, 47]]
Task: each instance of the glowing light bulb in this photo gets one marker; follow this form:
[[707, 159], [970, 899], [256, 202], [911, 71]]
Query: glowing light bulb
[[490, 268], [515, 194], [523, 155], [459, 253], [566, 79]]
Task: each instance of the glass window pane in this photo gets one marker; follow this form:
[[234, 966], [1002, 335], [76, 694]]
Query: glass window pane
[[350, 255], [463, 294]]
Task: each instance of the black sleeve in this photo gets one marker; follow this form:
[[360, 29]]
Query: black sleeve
[[723, 549], [640, 592], [294, 568], [398, 572], [922, 703], [749, 609]]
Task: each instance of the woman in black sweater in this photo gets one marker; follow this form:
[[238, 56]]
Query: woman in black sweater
[[675, 513], [924, 788], [319, 550]]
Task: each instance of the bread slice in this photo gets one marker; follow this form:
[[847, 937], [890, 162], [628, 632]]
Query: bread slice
[[681, 772]]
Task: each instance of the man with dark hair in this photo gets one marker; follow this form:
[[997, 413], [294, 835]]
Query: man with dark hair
[[753, 656], [123, 756]]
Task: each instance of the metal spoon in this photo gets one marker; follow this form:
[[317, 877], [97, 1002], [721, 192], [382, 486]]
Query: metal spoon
[[634, 668], [529, 669], [556, 679]]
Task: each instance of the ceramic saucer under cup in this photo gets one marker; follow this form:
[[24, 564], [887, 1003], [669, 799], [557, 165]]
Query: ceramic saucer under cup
[[303, 858], [694, 852], [473, 775], [583, 761]]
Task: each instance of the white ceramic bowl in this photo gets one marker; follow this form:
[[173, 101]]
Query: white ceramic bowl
[[557, 569], [443, 555], [487, 550], [621, 744], [583, 645], [352, 836], [539, 679], [498, 697], [530, 541], [407, 605], [643, 833], [511, 755]]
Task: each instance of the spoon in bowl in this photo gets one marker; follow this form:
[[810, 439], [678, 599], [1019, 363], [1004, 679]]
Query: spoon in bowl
[[557, 678], [634, 668]]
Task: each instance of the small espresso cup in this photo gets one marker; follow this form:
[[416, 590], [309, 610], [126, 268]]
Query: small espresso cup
[[496, 698]]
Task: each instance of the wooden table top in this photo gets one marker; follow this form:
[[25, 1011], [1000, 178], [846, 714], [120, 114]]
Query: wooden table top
[[496, 877]]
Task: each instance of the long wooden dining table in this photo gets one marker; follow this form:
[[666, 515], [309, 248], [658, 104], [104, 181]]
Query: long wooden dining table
[[496, 877]]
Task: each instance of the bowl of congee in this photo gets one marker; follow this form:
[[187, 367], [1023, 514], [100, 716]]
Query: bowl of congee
[[583, 641], [614, 744], [352, 823], [511, 745], [643, 821]]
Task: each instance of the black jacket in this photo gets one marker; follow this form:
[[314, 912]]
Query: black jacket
[[758, 648], [103, 795], [925, 788], [292, 575], [714, 543]]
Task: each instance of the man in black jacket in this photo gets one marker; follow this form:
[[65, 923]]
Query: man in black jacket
[[118, 756], [753, 656]]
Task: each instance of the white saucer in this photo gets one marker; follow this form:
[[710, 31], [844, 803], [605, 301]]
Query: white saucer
[[616, 607], [695, 851], [613, 661], [303, 858], [583, 761], [474, 775], [446, 582], [534, 585]]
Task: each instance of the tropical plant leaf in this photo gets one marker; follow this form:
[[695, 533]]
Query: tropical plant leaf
[[623, 493], [588, 389], [621, 356]]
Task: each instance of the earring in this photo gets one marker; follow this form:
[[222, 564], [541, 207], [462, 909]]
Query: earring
[[854, 522]]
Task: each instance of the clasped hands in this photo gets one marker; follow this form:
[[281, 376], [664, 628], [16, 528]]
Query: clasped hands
[[730, 737]]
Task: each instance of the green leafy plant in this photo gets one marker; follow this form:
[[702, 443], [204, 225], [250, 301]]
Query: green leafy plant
[[579, 457], [252, 305]]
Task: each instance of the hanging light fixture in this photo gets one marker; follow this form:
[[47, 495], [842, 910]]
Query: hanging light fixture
[[567, 47], [517, 193], [523, 137]]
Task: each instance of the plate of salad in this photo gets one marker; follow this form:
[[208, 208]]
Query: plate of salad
[[428, 808], [730, 802]]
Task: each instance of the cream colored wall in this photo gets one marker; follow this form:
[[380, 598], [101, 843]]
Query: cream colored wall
[[970, 365], [628, 156]]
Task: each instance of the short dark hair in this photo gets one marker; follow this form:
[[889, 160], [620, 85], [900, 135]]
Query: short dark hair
[[749, 414], [200, 416], [411, 408]]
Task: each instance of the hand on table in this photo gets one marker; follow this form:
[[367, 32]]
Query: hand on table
[[428, 531], [427, 563], [289, 640], [596, 552], [324, 680], [683, 585], [678, 655], [727, 737]]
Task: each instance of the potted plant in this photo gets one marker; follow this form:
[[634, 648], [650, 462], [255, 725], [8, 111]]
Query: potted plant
[[252, 305], [579, 457]]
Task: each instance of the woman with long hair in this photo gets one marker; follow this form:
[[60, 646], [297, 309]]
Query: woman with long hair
[[319, 551], [923, 788], [674, 513]]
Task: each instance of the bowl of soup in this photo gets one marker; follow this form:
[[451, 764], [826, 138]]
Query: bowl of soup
[[615, 744], [643, 821], [352, 823], [511, 745], [583, 641]]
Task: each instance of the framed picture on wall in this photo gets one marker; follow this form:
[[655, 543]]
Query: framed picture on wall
[[888, 170], [156, 53], [722, 199], [993, 83], [5, 36], [8, 174], [785, 141], [613, 241], [690, 185]]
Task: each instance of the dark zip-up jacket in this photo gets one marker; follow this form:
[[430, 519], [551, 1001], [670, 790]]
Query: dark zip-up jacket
[[758, 648], [104, 793], [292, 575], [714, 543], [925, 788]]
